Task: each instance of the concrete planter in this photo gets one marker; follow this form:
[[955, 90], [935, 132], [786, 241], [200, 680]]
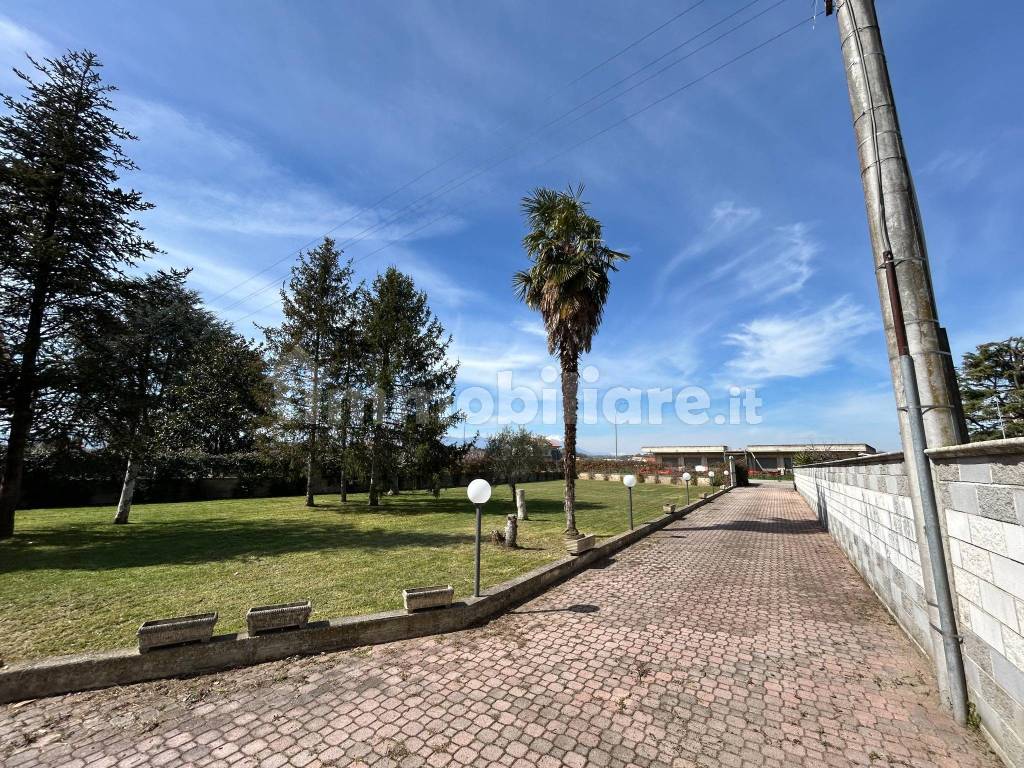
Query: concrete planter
[[162, 633], [668, 509], [268, 618], [650, 479], [615, 478], [599, 476], [585, 476], [665, 480], [580, 545], [422, 598]]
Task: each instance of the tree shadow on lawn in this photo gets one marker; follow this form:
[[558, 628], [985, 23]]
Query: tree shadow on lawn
[[408, 504], [104, 546]]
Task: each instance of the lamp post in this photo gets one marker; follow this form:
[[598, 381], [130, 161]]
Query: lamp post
[[686, 480], [629, 481], [727, 476], [479, 491], [711, 480]]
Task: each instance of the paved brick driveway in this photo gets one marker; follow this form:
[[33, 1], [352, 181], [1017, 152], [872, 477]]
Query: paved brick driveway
[[740, 637]]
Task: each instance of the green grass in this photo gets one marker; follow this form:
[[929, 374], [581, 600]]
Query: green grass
[[71, 581]]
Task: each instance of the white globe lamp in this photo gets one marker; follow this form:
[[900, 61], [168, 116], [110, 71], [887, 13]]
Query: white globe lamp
[[479, 491]]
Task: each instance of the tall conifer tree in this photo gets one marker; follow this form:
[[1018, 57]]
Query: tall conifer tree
[[411, 383], [318, 306], [66, 230]]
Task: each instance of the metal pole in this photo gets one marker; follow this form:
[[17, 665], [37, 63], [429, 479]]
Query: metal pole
[[616, 423], [687, 482], [999, 413], [897, 236], [630, 509], [933, 530], [476, 574]]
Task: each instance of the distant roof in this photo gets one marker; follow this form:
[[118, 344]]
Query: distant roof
[[767, 448], [685, 449], [790, 447]]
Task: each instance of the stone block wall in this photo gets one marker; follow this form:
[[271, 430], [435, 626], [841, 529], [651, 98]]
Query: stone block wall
[[980, 488], [865, 505], [866, 508]]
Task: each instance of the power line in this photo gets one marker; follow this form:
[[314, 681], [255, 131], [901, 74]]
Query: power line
[[467, 176], [440, 191], [636, 42], [591, 137], [386, 245], [457, 155], [678, 90]]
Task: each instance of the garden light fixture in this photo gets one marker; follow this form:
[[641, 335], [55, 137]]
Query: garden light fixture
[[479, 491], [629, 481]]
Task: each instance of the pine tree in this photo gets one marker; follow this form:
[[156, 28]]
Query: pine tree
[[220, 403], [411, 382], [130, 363], [992, 386], [67, 230], [318, 305]]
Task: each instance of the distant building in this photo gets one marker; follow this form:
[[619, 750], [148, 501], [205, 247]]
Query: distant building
[[685, 456], [766, 458], [554, 449]]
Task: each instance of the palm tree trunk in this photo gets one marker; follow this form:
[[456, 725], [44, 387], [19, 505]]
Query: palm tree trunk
[[124, 505], [570, 388]]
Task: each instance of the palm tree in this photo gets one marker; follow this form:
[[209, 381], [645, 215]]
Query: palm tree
[[568, 282]]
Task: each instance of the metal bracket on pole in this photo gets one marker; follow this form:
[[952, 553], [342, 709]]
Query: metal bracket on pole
[[925, 408], [828, 7]]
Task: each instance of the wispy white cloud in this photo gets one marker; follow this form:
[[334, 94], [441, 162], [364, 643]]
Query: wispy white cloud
[[15, 42], [214, 181], [207, 273], [796, 345], [781, 265], [480, 364], [727, 220], [959, 165], [531, 327]]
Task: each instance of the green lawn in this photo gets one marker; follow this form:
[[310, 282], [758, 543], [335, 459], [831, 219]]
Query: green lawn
[[71, 581]]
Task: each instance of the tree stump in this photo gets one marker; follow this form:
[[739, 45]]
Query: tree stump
[[511, 532], [521, 504]]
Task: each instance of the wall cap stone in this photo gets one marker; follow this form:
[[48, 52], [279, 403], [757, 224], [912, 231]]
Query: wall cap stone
[[891, 457], [983, 448]]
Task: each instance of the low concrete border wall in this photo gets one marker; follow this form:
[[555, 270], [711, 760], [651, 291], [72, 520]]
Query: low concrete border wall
[[81, 672]]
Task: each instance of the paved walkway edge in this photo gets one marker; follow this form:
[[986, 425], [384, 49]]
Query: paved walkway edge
[[82, 672]]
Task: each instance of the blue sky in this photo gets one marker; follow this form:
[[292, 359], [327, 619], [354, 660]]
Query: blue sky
[[264, 125]]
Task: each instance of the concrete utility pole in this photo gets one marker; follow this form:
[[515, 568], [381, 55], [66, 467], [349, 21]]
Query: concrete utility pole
[[897, 234]]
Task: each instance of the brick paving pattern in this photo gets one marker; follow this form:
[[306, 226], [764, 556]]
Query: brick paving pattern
[[739, 637]]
